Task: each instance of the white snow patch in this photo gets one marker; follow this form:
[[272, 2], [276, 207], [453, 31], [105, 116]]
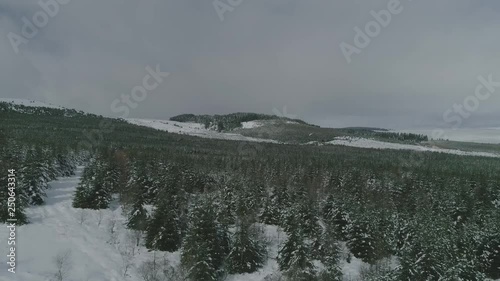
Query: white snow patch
[[192, 129], [251, 124], [369, 143]]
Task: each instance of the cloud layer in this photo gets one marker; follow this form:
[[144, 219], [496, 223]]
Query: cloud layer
[[263, 55]]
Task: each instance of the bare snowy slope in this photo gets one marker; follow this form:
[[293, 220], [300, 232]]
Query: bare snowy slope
[[193, 129], [31, 103], [368, 143]]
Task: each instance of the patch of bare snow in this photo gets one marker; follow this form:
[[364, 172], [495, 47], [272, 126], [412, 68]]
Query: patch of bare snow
[[369, 143], [251, 124], [192, 129]]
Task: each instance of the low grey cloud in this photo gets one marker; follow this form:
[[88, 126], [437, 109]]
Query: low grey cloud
[[263, 55]]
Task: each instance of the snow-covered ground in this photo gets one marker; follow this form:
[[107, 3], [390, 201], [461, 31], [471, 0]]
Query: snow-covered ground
[[26, 102], [251, 124], [57, 228], [193, 129], [368, 143], [95, 253], [480, 135]]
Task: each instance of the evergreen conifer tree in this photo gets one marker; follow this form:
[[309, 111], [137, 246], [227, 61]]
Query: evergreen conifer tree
[[247, 251], [205, 246]]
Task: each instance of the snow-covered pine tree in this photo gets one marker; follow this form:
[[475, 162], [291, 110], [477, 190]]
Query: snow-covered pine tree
[[109, 171], [93, 191], [163, 230], [49, 163], [137, 215], [302, 214], [36, 176], [9, 158], [84, 188], [102, 187], [247, 250], [65, 165], [294, 258], [227, 201], [424, 258], [329, 255], [205, 246], [271, 212], [333, 214], [361, 240]]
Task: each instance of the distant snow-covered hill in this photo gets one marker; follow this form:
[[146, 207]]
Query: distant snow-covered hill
[[241, 133], [31, 103], [194, 129]]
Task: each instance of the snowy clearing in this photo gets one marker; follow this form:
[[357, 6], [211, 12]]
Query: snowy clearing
[[368, 143], [251, 124], [192, 129], [56, 228]]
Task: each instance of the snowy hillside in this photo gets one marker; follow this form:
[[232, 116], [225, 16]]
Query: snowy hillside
[[252, 124], [367, 143], [31, 103], [478, 135], [194, 129]]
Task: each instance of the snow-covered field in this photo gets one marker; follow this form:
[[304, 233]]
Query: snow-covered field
[[368, 143], [251, 124], [480, 135], [194, 129], [98, 245]]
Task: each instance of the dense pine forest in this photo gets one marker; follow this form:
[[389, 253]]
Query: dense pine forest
[[435, 216]]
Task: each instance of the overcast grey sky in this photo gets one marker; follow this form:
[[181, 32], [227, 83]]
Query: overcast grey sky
[[265, 54]]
